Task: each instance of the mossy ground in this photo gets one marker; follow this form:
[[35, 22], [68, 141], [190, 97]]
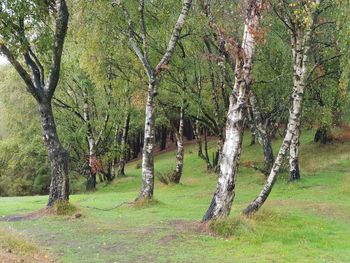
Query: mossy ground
[[306, 221]]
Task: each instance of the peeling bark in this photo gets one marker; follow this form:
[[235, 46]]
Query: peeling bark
[[153, 73], [223, 197], [147, 186], [300, 47]]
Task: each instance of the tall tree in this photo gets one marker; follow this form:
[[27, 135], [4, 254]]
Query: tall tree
[[243, 54], [153, 75], [300, 20], [18, 19]]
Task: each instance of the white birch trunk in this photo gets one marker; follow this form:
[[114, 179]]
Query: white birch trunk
[[176, 177], [300, 48], [147, 186], [225, 191]]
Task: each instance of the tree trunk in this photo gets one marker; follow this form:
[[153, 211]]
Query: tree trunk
[[163, 137], [197, 136], [222, 200], [263, 136], [124, 144], [176, 176], [147, 186], [206, 156], [294, 173], [300, 48], [58, 156], [218, 153], [91, 179]]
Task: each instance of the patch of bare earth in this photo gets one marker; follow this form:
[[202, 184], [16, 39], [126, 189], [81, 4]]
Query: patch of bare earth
[[191, 226], [29, 216]]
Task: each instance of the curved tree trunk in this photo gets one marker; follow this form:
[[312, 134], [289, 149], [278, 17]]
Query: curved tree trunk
[[300, 47], [58, 156], [223, 197]]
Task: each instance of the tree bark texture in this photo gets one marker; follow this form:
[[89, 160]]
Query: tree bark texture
[[225, 191], [176, 176], [300, 47]]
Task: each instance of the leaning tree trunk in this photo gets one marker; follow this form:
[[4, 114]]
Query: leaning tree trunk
[[300, 48], [222, 200], [58, 156], [176, 176], [263, 136], [147, 186]]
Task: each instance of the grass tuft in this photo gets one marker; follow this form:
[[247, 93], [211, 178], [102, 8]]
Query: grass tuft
[[63, 208], [145, 203], [236, 226]]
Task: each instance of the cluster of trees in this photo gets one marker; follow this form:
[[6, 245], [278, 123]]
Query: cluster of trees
[[136, 75]]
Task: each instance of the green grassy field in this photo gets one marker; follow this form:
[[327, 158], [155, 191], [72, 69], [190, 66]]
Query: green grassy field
[[307, 221]]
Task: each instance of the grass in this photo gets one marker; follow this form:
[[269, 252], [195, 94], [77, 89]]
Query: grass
[[307, 221]]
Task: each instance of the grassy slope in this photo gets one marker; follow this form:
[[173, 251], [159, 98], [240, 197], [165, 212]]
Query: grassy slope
[[308, 221]]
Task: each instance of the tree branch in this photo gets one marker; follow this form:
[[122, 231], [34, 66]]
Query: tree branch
[[57, 49]]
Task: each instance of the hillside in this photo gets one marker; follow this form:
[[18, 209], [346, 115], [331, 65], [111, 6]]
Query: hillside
[[306, 221]]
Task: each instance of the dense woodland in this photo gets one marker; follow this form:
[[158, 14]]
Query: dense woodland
[[92, 85]]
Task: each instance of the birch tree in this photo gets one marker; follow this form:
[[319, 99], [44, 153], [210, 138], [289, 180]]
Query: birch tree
[[300, 22], [153, 74], [21, 26], [244, 54]]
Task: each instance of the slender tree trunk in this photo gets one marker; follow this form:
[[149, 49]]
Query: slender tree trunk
[[116, 154], [58, 156], [218, 153], [223, 197], [180, 150], [198, 138], [91, 179], [300, 48], [124, 144], [206, 156], [263, 136], [294, 173], [147, 186]]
